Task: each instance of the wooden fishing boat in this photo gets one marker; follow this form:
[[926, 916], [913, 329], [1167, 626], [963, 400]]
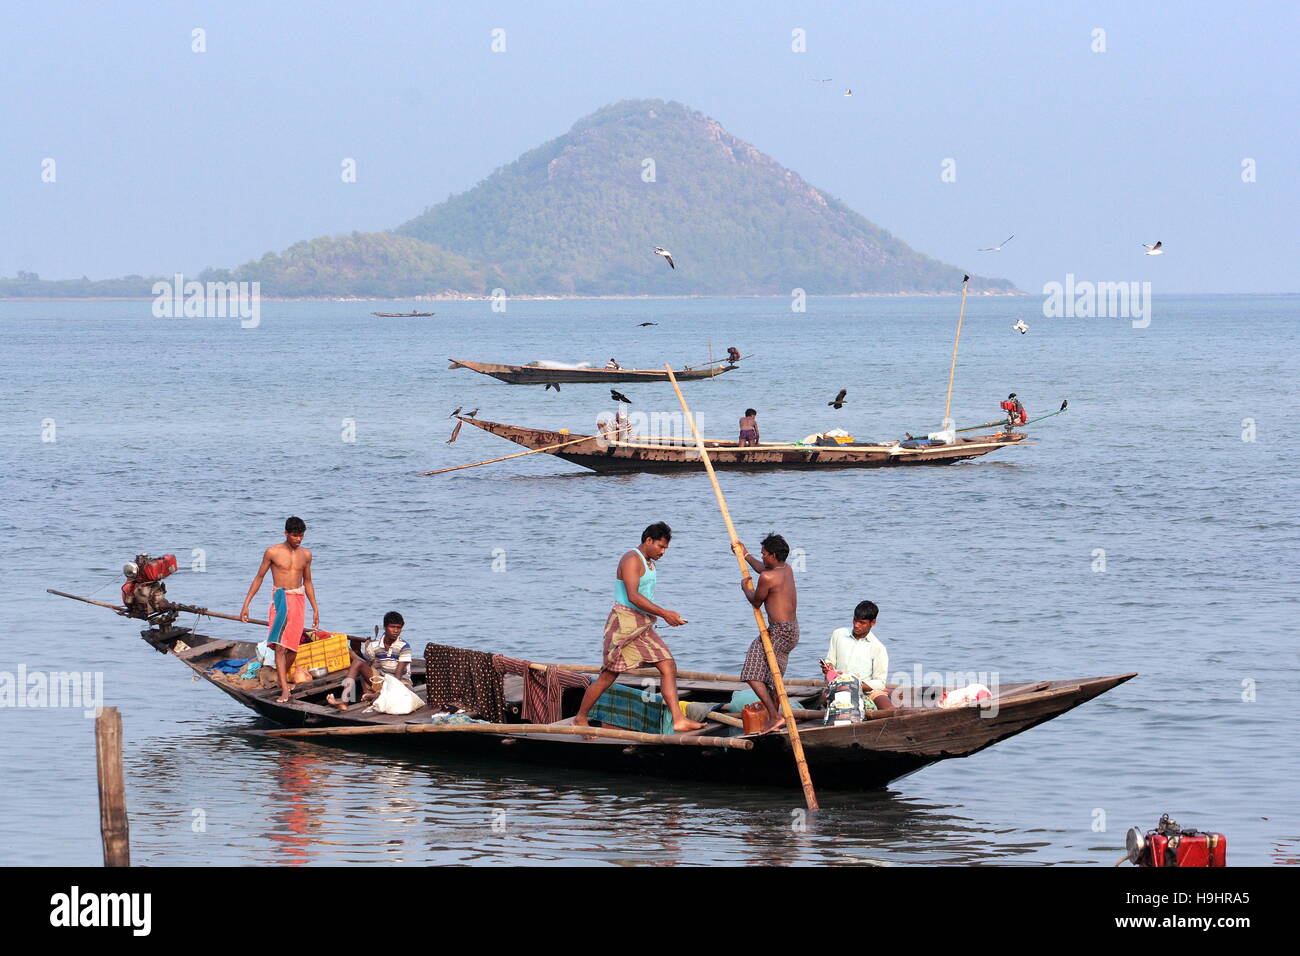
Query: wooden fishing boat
[[635, 454], [550, 375], [853, 756], [401, 315]]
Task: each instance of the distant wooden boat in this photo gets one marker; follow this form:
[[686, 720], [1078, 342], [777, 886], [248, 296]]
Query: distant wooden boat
[[547, 375], [636, 454], [401, 315], [857, 756]]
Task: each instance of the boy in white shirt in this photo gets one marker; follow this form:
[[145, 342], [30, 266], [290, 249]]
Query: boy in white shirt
[[856, 651]]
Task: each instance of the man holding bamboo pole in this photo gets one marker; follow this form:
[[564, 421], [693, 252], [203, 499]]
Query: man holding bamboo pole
[[776, 592], [631, 640]]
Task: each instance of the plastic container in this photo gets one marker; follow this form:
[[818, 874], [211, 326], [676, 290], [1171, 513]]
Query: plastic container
[[329, 652]]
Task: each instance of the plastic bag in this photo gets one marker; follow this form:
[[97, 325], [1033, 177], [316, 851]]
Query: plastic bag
[[395, 698]]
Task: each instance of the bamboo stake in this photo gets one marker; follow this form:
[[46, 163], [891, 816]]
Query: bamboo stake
[[113, 824], [534, 451], [947, 407], [796, 745], [520, 730]]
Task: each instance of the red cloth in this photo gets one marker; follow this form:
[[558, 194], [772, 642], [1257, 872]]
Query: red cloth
[[543, 689]]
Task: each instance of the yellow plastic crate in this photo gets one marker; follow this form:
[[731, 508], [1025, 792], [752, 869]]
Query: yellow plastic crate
[[329, 652]]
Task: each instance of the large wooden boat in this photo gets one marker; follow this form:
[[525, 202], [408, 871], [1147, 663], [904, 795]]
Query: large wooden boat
[[553, 375], [401, 315], [635, 454], [853, 756]]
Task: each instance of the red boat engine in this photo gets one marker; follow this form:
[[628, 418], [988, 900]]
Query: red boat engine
[[144, 595], [1170, 845]]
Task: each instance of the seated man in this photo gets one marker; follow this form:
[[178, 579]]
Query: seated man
[[611, 364], [857, 652], [387, 654]]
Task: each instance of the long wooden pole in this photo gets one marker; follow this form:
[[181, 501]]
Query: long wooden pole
[[520, 730], [113, 824], [796, 745], [533, 451], [952, 371]]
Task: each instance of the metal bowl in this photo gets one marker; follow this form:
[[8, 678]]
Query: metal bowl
[[318, 671]]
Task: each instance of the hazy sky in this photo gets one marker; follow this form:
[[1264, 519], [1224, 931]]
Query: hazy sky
[[170, 160]]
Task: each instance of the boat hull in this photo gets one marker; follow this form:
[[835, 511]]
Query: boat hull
[[537, 375], [621, 457]]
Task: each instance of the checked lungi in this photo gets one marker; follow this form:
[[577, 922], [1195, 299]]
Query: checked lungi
[[631, 641], [784, 635]]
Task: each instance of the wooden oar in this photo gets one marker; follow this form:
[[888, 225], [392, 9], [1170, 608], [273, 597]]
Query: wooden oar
[[534, 451], [519, 730], [796, 745], [947, 407]]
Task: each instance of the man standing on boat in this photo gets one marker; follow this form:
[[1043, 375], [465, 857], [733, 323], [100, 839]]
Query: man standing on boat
[[776, 590], [290, 565], [631, 640]]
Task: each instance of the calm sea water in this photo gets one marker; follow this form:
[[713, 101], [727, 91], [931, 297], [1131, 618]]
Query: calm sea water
[[178, 435]]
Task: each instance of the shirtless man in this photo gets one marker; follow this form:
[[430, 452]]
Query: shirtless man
[[749, 428], [776, 590], [631, 640], [290, 565]]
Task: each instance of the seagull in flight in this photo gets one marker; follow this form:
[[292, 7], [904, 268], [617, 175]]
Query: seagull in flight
[[839, 399], [644, 324], [998, 247], [818, 79], [1156, 250], [1021, 327], [848, 92], [661, 251], [618, 396]]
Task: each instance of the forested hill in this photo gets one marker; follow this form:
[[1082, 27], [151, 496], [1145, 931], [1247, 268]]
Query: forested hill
[[583, 213]]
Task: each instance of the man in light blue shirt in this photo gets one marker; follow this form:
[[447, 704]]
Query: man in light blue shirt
[[857, 652]]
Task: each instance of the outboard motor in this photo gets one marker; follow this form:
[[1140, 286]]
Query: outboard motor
[[144, 595], [1170, 845]]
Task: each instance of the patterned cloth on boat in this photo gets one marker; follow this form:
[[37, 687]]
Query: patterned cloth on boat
[[633, 708], [543, 690], [631, 640], [784, 635], [459, 678]]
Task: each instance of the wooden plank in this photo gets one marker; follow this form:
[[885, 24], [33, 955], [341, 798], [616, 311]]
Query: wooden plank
[[201, 650], [114, 827]]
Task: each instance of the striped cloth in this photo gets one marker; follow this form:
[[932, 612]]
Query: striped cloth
[[543, 690], [784, 635], [631, 640]]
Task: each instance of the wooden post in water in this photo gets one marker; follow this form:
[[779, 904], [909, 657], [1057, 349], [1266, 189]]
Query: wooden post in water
[[113, 824]]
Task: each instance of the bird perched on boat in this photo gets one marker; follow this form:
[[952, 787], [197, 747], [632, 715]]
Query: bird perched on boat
[[1022, 327], [471, 413], [618, 396], [1064, 404], [1156, 250], [839, 399], [644, 324], [998, 247], [456, 412], [661, 251]]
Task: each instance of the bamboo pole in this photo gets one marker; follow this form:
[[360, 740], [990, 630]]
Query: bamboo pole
[[519, 730], [684, 675], [796, 745], [114, 827], [947, 406], [533, 451]]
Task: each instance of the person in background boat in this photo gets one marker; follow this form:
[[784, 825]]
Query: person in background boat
[[631, 641], [733, 355], [611, 364], [776, 592], [857, 652], [290, 565], [386, 654], [749, 428]]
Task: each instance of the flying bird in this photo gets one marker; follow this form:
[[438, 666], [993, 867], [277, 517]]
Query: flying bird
[[818, 79], [1156, 250], [661, 251], [644, 324], [839, 399], [618, 396], [551, 385], [848, 92], [998, 247], [1021, 327]]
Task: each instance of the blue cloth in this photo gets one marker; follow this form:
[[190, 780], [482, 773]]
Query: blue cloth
[[230, 666]]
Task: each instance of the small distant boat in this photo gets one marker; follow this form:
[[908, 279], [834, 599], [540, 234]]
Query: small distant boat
[[574, 375], [647, 454], [401, 315]]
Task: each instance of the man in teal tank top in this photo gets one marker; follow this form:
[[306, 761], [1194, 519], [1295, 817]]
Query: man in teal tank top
[[631, 641]]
